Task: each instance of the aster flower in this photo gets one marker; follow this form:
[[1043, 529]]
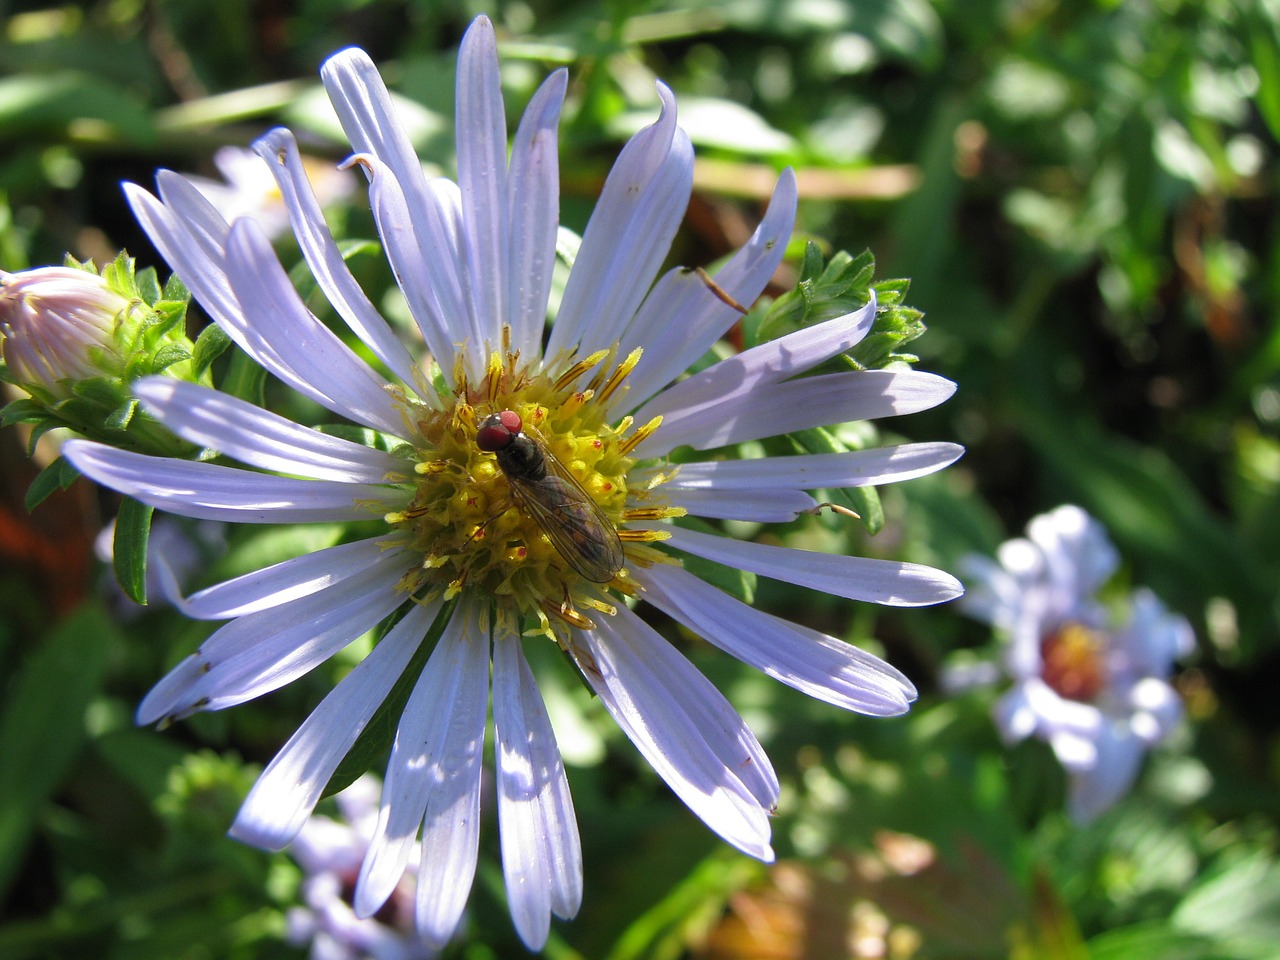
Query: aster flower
[[249, 190], [522, 490], [1088, 678], [330, 851]]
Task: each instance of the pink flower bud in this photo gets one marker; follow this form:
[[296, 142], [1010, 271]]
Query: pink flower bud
[[59, 324]]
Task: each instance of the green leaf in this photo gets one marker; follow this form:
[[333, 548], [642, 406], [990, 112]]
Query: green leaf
[[58, 475], [42, 727], [245, 379], [1144, 941], [375, 740], [864, 501], [129, 550], [1239, 906]]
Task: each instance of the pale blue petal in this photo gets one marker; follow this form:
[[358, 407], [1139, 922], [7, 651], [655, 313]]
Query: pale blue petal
[[422, 251], [285, 581], [533, 187], [287, 791], [736, 378], [761, 505], [255, 654], [251, 435], [482, 178], [854, 468], [681, 319], [811, 662], [367, 114], [773, 409], [323, 367], [405, 789], [541, 852], [451, 823], [855, 578], [280, 150], [703, 765], [207, 491], [628, 236]]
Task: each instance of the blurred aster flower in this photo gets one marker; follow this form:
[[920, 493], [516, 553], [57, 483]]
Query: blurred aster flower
[[1089, 679], [330, 852], [249, 189], [522, 489]]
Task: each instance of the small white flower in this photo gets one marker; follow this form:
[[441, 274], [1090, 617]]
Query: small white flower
[[471, 526], [1089, 680]]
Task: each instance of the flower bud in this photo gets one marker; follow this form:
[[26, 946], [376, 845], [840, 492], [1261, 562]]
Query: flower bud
[[59, 325]]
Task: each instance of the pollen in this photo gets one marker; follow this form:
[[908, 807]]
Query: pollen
[[541, 548], [1072, 662]]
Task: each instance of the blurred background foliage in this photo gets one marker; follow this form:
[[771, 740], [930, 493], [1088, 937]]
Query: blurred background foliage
[[1084, 195]]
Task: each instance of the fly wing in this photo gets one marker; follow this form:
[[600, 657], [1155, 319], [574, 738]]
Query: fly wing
[[572, 521]]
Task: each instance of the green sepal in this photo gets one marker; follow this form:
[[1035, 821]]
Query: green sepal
[[121, 416], [211, 344], [168, 355], [58, 475], [148, 286], [375, 740], [22, 410], [129, 550]]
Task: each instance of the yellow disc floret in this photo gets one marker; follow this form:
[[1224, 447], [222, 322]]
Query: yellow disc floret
[[474, 524]]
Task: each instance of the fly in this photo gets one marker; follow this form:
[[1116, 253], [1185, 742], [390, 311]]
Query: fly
[[553, 498]]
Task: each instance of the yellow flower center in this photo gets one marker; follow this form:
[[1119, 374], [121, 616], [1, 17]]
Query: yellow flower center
[[1072, 658], [475, 524]]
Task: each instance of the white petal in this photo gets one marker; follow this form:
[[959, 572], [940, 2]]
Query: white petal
[[717, 768], [533, 188], [251, 435], [207, 491], [743, 374], [811, 662], [263, 651], [681, 318], [772, 409], [541, 853], [771, 505], [285, 581], [323, 367], [288, 789], [628, 236], [280, 150], [853, 468], [855, 578]]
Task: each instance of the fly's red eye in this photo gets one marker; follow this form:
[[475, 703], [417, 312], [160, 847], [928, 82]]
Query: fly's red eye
[[493, 435], [498, 430]]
